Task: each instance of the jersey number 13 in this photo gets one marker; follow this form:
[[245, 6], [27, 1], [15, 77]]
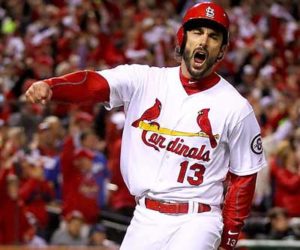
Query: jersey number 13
[[194, 180]]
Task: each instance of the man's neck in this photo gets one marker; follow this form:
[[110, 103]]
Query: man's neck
[[186, 74], [194, 86]]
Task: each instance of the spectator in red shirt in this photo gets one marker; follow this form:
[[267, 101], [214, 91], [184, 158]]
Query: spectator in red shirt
[[285, 173], [79, 122], [14, 225], [81, 189], [36, 192]]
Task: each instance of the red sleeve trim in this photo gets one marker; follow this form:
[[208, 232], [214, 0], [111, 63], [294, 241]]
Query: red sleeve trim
[[81, 86]]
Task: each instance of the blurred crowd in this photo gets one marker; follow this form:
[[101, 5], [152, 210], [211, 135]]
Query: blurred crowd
[[65, 158]]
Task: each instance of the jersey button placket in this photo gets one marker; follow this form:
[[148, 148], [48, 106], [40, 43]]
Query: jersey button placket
[[166, 158]]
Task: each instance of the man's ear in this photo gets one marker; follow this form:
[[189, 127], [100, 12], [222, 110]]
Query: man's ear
[[222, 52]]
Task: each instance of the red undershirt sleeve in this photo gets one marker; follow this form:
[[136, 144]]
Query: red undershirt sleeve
[[79, 87], [237, 206]]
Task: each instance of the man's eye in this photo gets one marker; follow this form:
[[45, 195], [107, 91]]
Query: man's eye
[[198, 32], [214, 37]]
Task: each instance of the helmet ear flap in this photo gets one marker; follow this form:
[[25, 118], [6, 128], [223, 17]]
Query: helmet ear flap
[[180, 34], [181, 40]]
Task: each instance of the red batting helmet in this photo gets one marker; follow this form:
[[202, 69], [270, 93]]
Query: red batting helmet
[[205, 13]]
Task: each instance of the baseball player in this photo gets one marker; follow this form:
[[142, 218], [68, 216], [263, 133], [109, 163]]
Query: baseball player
[[186, 131]]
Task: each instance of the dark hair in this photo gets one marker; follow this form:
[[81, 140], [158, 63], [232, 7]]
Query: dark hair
[[97, 228], [277, 211]]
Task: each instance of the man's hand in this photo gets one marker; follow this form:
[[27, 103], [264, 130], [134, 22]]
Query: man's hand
[[39, 92]]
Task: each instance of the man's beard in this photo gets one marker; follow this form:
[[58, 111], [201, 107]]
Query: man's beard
[[206, 67]]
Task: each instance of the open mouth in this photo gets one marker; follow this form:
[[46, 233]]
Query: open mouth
[[200, 57]]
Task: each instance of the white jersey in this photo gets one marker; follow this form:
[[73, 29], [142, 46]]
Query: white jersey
[[177, 146]]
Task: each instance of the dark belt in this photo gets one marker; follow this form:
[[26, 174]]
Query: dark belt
[[173, 208]]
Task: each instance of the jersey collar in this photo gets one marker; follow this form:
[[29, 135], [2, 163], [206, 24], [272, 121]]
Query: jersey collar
[[192, 87]]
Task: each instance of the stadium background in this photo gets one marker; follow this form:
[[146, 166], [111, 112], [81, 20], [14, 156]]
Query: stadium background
[[39, 144]]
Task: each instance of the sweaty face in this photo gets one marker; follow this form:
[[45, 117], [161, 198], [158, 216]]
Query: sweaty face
[[202, 49]]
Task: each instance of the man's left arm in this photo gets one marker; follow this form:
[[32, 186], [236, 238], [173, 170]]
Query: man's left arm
[[237, 206]]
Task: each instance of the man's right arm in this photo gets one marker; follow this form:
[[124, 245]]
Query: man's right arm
[[78, 87]]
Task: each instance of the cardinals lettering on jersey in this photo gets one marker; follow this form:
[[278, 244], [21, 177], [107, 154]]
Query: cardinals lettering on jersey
[[153, 134]]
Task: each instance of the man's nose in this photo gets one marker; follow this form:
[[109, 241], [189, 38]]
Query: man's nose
[[203, 39]]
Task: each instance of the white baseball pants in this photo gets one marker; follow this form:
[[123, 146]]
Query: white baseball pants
[[152, 230]]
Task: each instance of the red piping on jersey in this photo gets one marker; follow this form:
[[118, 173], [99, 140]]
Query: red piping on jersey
[[80, 87], [199, 85]]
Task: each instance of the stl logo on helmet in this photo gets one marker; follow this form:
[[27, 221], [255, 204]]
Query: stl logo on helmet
[[210, 12]]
